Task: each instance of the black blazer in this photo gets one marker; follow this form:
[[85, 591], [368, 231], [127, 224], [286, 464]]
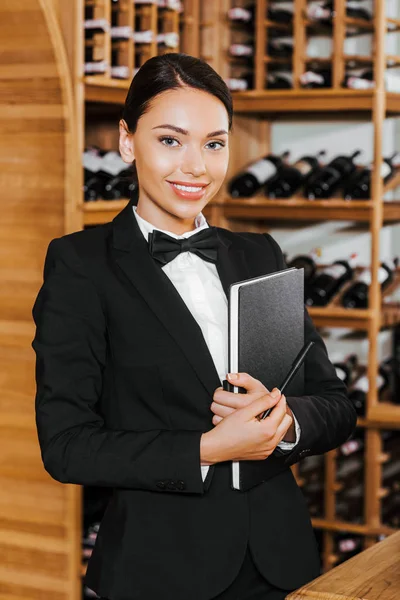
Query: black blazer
[[124, 386]]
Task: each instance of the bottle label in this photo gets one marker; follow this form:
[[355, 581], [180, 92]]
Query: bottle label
[[358, 83], [113, 164], [385, 170], [262, 170], [335, 271], [286, 6], [171, 39], [241, 50], [239, 14], [362, 384], [236, 84], [303, 166], [347, 545], [350, 447], [124, 32], [92, 161], [96, 67], [122, 72], [143, 37], [311, 77], [365, 276], [97, 24]]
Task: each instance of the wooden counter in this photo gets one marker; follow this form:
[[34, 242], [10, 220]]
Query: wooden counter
[[371, 575]]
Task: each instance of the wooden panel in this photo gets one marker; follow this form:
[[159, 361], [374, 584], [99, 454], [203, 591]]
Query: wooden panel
[[37, 168]]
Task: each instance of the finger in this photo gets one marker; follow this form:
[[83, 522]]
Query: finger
[[230, 398], [216, 419], [247, 381], [277, 415], [283, 427], [221, 410], [261, 404]]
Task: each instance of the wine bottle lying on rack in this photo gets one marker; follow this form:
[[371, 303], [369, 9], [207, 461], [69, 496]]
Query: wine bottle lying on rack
[[359, 389], [240, 84], [255, 175], [279, 80], [280, 47], [356, 296], [323, 12], [291, 177], [329, 280], [306, 262], [358, 187], [316, 78], [345, 369], [331, 177], [355, 445], [281, 12]]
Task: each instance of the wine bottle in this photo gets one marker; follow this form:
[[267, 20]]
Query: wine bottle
[[359, 79], [322, 12], [282, 80], [396, 364], [306, 262], [348, 545], [345, 368], [243, 15], [280, 12], [359, 390], [358, 187], [255, 175], [351, 469], [354, 445], [292, 177], [330, 177], [93, 178], [121, 186], [359, 9], [329, 280], [280, 47], [314, 79], [391, 476], [356, 296]]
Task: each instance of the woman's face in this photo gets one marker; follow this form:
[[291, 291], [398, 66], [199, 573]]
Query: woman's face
[[182, 138]]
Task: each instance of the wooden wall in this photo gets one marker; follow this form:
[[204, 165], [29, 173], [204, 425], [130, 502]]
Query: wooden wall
[[36, 170]]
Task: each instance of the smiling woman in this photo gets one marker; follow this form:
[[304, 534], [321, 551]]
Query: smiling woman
[[132, 348], [175, 130]]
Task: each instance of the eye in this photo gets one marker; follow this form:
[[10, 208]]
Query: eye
[[222, 145], [164, 138]]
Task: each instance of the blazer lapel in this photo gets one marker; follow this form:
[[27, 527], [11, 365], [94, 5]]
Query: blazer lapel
[[132, 255]]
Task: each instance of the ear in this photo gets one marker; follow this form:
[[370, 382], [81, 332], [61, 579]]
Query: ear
[[126, 145]]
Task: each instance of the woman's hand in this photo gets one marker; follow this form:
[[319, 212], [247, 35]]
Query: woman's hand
[[239, 435]]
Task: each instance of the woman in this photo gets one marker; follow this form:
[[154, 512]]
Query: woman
[[131, 345]]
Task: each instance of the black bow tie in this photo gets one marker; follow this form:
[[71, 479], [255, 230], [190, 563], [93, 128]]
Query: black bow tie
[[165, 248]]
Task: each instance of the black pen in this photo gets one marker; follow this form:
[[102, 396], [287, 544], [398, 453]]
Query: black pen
[[298, 361]]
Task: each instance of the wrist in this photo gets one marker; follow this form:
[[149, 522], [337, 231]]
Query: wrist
[[290, 435], [207, 451]]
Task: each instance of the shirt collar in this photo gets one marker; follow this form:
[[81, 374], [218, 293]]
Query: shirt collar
[[200, 223]]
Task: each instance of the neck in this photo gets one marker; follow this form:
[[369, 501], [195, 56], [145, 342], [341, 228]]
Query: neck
[[165, 220]]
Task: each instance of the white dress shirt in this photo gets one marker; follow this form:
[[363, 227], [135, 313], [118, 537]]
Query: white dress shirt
[[199, 285]]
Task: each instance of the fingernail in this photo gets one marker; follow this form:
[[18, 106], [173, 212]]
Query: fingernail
[[233, 375], [275, 393]]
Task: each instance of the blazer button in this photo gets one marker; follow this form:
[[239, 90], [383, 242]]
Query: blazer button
[[161, 485], [180, 485], [171, 485]]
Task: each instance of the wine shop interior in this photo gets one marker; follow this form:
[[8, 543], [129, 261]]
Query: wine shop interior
[[314, 161]]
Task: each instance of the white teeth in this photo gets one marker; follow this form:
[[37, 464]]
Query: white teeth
[[187, 188]]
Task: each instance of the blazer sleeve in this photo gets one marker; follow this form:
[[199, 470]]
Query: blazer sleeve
[[325, 414], [70, 346]]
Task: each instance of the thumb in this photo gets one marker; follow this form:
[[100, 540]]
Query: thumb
[[260, 404]]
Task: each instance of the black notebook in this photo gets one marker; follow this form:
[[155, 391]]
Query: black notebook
[[266, 332]]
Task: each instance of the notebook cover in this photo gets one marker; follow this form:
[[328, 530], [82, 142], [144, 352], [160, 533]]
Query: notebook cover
[[270, 335]]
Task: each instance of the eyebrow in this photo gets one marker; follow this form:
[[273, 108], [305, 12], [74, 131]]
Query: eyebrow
[[185, 132]]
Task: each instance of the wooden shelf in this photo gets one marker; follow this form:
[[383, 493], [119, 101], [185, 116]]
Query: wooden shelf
[[337, 525], [309, 101], [260, 207], [300, 208]]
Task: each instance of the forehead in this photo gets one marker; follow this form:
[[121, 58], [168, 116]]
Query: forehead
[[191, 109]]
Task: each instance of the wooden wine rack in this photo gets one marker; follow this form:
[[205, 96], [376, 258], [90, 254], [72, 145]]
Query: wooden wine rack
[[40, 524]]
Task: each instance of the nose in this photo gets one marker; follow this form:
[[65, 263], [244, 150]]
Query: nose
[[193, 162]]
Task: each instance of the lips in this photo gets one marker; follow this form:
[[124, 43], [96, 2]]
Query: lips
[[196, 195], [188, 184]]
